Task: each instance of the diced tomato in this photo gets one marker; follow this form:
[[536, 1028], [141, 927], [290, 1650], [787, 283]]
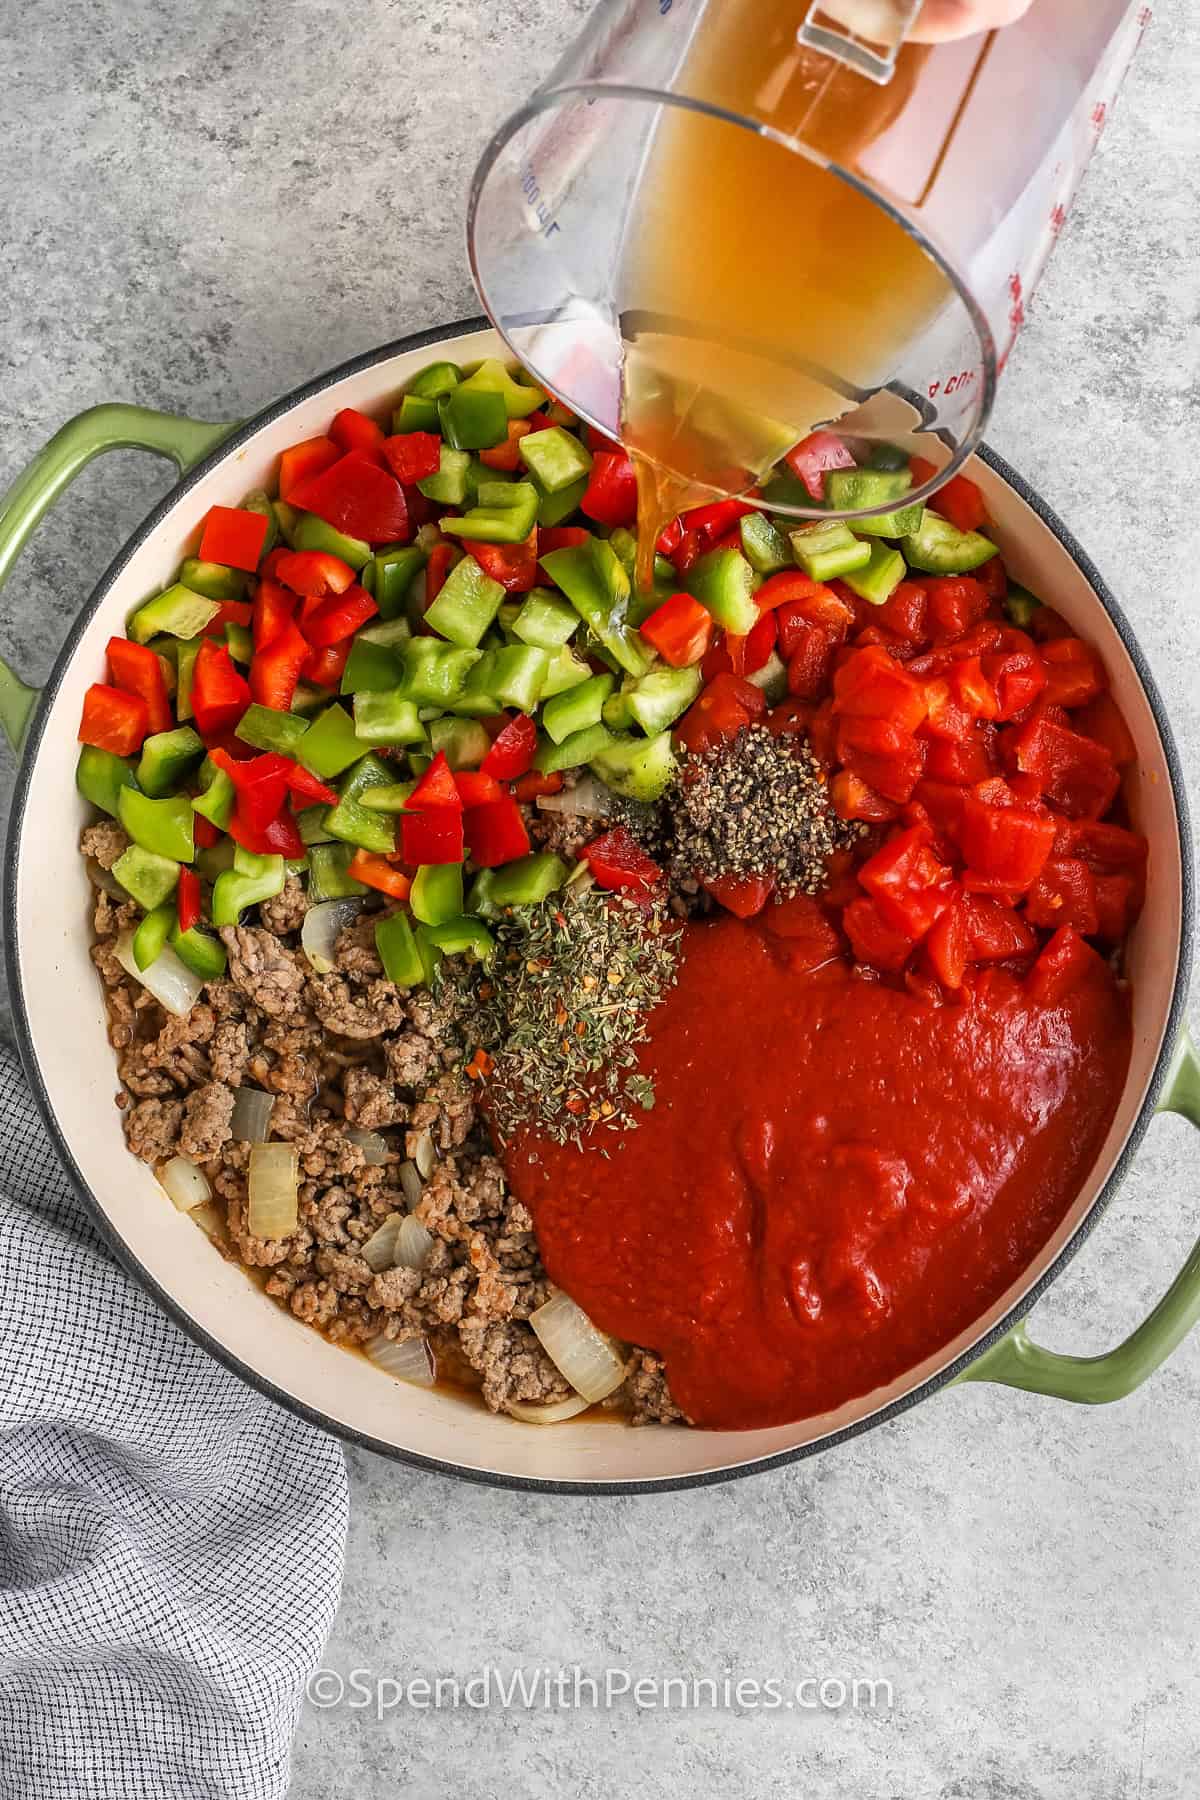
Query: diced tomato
[[1107, 849], [136, 669], [413, 455], [963, 763], [1004, 842], [1064, 894], [722, 710], [873, 939], [441, 561], [871, 684], [325, 668], [1075, 772], [851, 798], [436, 787], [1118, 903], [752, 652], [304, 461], [680, 630], [1074, 673], [276, 668], [113, 720], [233, 537], [956, 602], [313, 572], [435, 835], [1066, 964], [742, 895], [993, 579], [378, 873], [514, 566], [496, 832], [187, 899], [803, 925], [811, 661], [611, 493], [512, 750], [475, 788], [790, 718], [219, 694], [944, 716], [947, 945], [617, 860], [339, 617], [717, 661], [971, 690], [306, 787], [995, 932], [962, 503], [507, 456], [356, 496], [904, 611], [353, 430], [528, 787], [812, 458], [942, 802], [822, 607], [273, 609], [1017, 677], [908, 883], [1101, 719]]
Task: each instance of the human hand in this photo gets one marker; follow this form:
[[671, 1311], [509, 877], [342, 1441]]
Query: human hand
[[943, 19]]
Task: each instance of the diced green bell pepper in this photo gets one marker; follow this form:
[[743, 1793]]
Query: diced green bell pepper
[[330, 744], [860, 490], [437, 892], [394, 572], [637, 768], [218, 797], [239, 643], [146, 877], [479, 476], [771, 678], [618, 714], [392, 799], [266, 728], [214, 859], [472, 419], [311, 824], [555, 457], [545, 621], [480, 899], [506, 514], [287, 517], [150, 938], [449, 486], [1020, 605], [178, 611], [940, 548], [566, 671], [214, 580], [888, 456], [724, 582], [161, 826], [467, 604], [261, 503], [199, 951], [167, 757], [512, 676], [554, 508], [597, 584], [251, 879], [308, 700], [100, 776], [462, 936], [387, 718], [393, 634], [901, 523], [433, 672], [463, 741], [520, 399], [414, 413], [328, 877], [577, 708], [351, 821], [881, 576], [828, 549], [436, 379], [660, 697], [763, 544], [185, 663], [370, 668], [528, 879], [396, 947], [580, 747], [311, 533]]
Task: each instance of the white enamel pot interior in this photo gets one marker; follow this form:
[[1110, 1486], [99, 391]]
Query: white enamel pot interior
[[62, 1023]]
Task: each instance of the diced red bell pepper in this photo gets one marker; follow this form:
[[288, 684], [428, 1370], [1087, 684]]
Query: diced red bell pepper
[[233, 537], [908, 883], [477, 789], [669, 538], [230, 612], [302, 462], [413, 455], [1074, 673], [814, 456], [219, 694], [187, 899], [716, 518], [956, 602], [512, 751], [716, 661], [325, 668], [433, 836], [313, 572], [528, 787], [279, 837], [261, 784], [507, 456], [378, 873], [995, 932], [353, 430], [1075, 772], [751, 652], [782, 589], [436, 787], [514, 566], [611, 493], [205, 833], [810, 662], [441, 561], [356, 496], [306, 787], [1065, 965], [560, 537], [873, 939], [113, 720], [851, 798], [1005, 843], [1101, 720], [961, 502], [272, 612], [339, 617], [1064, 894], [276, 668], [136, 669], [947, 945], [871, 684], [680, 630], [617, 860], [496, 833], [742, 895]]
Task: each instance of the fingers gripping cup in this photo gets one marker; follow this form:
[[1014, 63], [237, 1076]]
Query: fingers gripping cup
[[722, 225]]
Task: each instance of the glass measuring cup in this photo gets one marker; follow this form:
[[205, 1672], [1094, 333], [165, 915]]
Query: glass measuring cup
[[720, 224]]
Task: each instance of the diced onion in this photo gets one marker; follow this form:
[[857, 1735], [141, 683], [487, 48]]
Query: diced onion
[[374, 1148], [104, 878], [173, 984], [411, 1360], [322, 927], [589, 798], [379, 1250], [424, 1154], [186, 1185], [274, 1190], [413, 1243], [548, 1413], [410, 1181], [580, 1353], [210, 1219], [251, 1121]]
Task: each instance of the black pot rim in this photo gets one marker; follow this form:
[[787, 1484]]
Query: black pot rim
[[487, 1478]]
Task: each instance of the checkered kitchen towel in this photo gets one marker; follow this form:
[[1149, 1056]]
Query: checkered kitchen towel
[[170, 1542]]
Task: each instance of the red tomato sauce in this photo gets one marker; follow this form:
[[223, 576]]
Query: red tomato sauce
[[837, 1176]]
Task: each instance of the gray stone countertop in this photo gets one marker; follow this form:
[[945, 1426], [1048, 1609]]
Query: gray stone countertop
[[202, 206]]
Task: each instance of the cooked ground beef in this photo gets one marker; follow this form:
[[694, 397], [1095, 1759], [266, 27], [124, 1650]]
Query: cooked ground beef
[[339, 1049]]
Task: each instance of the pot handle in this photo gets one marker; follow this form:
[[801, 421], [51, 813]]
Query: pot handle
[[89, 434], [1095, 1380]]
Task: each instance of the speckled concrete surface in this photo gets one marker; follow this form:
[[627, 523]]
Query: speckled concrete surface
[[201, 206]]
